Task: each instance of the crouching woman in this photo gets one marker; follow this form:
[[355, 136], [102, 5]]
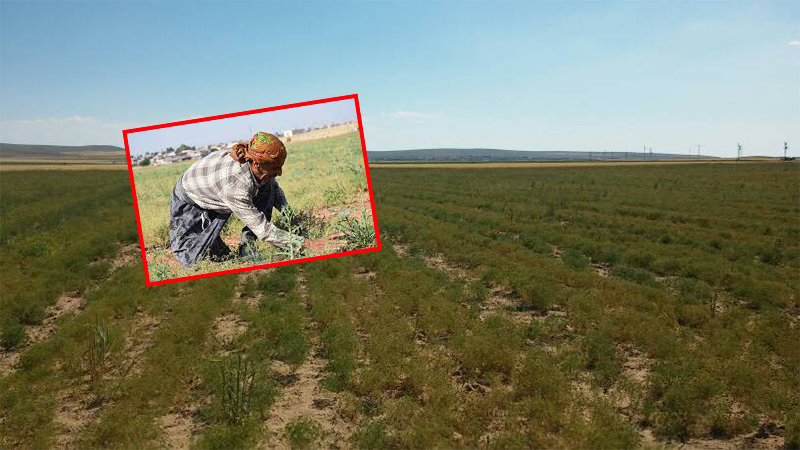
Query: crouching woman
[[241, 183]]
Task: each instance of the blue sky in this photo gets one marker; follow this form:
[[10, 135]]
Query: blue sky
[[517, 75]]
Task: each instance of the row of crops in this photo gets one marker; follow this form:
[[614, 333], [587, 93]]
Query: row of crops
[[703, 265], [592, 307]]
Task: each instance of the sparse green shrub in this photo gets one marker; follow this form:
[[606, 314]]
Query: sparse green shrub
[[535, 294], [535, 243], [632, 274], [611, 257], [694, 291], [667, 266], [335, 195], [609, 430], [242, 388], [279, 328], [283, 279], [358, 234], [601, 357], [339, 342], [772, 256], [161, 236], [575, 259], [757, 294], [680, 395], [792, 437], [640, 259], [302, 433], [301, 222], [476, 292], [159, 271], [492, 346], [539, 379], [12, 333], [725, 425], [100, 344], [371, 436], [693, 315]]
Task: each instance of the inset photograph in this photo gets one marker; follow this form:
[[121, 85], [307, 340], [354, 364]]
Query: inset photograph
[[250, 190]]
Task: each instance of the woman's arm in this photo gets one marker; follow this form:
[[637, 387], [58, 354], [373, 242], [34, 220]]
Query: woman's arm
[[241, 205]]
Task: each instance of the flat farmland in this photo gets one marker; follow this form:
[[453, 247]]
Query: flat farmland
[[665, 296], [566, 307]]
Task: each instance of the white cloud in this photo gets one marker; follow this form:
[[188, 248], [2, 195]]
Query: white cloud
[[413, 115], [794, 43]]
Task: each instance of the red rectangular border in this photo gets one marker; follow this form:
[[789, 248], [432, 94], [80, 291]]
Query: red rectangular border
[[354, 97]]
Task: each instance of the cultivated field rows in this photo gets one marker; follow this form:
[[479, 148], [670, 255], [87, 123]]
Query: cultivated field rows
[[695, 270], [491, 321]]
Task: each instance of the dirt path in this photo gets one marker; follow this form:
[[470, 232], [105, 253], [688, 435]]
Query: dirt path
[[76, 408], [182, 424], [303, 397]]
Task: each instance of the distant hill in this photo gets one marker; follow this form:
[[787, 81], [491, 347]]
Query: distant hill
[[80, 152], [491, 154]]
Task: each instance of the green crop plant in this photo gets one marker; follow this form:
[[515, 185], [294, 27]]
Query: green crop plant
[[357, 233], [100, 344], [371, 436], [288, 220], [241, 385], [12, 333], [303, 222], [302, 433], [575, 259]]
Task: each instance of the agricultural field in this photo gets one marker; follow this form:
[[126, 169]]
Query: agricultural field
[[325, 185], [575, 307]]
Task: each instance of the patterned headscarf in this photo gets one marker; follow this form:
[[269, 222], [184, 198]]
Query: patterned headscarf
[[266, 148]]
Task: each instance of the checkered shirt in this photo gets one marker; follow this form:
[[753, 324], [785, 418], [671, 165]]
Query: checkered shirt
[[220, 184]]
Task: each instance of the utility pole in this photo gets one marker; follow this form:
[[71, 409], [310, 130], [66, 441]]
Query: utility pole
[[698, 151], [785, 147], [738, 151]]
